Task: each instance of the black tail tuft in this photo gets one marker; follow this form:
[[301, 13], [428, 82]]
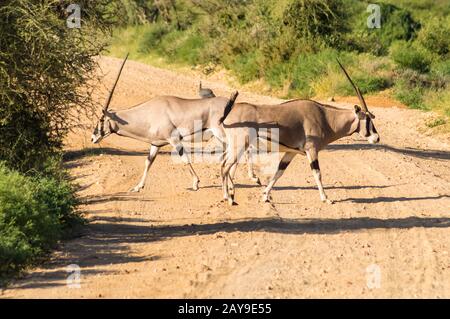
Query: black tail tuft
[[229, 106]]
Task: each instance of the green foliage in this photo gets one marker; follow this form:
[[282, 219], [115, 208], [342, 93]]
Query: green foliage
[[44, 69], [435, 36], [441, 68], [316, 21], [436, 122], [411, 56], [172, 43], [410, 95], [396, 24], [43, 65], [153, 37], [133, 12], [309, 67], [34, 212]]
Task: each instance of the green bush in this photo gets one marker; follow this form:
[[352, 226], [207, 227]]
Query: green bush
[[396, 24], [182, 47], [317, 21], [152, 38], [43, 67], [308, 68], [441, 68], [410, 95], [34, 213], [411, 56], [435, 36]]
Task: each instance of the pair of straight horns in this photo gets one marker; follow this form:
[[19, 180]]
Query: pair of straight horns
[[357, 90]]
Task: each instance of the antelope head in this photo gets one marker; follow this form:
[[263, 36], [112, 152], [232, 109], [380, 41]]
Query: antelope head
[[365, 128], [104, 125]]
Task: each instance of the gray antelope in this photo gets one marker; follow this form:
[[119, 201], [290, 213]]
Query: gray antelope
[[164, 120], [302, 127]]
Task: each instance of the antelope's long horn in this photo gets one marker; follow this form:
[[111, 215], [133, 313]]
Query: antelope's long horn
[[108, 101], [358, 92]]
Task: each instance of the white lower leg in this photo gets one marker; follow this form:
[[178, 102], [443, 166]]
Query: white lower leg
[[250, 171], [318, 179], [148, 163], [284, 163]]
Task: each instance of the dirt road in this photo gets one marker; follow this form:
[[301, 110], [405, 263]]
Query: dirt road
[[387, 235]]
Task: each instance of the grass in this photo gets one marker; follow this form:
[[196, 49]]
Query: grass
[[35, 212]]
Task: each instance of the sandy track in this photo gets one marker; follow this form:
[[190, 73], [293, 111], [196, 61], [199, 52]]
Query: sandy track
[[392, 210]]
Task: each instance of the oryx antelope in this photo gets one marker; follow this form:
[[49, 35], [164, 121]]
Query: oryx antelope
[[164, 120], [303, 127]]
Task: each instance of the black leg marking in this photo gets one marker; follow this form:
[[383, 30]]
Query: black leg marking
[[282, 166], [315, 165]]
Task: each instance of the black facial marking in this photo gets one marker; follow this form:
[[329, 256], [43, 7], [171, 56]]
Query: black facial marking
[[374, 130], [315, 165], [180, 150], [367, 127], [282, 166], [101, 124]]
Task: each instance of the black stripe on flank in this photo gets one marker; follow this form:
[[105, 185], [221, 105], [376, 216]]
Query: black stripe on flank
[[315, 165]]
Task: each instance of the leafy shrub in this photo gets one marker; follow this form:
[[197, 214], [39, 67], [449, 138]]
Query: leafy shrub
[[441, 68], [396, 24], [412, 96], [317, 21], [411, 56], [436, 122], [308, 68], [152, 37], [34, 212], [435, 36], [43, 66], [439, 100]]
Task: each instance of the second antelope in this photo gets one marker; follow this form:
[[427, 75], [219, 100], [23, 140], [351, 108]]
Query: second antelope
[[302, 126]]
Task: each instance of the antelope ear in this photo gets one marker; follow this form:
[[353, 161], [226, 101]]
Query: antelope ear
[[357, 109], [371, 115]]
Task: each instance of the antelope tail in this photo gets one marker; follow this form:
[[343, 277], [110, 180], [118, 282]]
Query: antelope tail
[[229, 106]]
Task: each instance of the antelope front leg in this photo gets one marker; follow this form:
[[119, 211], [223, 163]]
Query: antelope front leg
[[284, 163], [180, 149], [148, 163], [314, 163]]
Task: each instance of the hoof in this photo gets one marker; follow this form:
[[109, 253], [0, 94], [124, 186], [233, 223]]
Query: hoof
[[136, 189], [195, 186], [266, 199], [328, 201], [256, 180]]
